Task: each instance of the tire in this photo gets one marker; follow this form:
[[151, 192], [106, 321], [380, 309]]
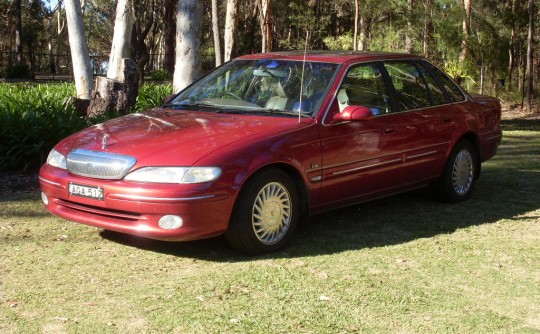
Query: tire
[[266, 213], [460, 173]]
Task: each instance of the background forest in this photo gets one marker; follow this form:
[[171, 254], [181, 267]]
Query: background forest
[[491, 45], [482, 41]]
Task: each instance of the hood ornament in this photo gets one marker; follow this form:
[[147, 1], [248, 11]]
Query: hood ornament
[[104, 142]]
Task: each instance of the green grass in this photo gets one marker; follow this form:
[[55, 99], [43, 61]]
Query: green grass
[[405, 264]]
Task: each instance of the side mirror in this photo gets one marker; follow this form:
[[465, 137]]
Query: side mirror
[[169, 98], [353, 114]]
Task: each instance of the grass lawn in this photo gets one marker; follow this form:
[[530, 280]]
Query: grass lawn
[[405, 264]]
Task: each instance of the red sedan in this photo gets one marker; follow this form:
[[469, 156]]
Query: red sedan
[[266, 139]]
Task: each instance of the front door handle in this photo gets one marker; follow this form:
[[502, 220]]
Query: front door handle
[[388, 131]]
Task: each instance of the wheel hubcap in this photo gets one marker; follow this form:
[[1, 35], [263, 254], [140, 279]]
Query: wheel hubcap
[[271, 214], [463, 172]]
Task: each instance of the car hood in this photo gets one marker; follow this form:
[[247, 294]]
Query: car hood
[[161, 137]]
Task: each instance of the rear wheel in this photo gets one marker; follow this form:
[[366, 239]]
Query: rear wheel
[[459, 176], [266, 213]]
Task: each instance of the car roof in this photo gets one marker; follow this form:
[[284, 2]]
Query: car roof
[[331, 56]]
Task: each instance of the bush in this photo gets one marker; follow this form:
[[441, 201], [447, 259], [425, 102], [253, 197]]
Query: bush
[[34, 117], [151, 95], [18, 72], [160, 75]]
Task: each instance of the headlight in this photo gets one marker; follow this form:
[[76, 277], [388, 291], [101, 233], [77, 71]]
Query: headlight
[[174, 174], [56, 159]]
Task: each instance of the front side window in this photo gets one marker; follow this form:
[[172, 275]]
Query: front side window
[[409, 86], [363, 85], [266, 85]]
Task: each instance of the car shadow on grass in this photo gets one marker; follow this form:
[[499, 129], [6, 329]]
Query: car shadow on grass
[[507, 189], [394, 220]]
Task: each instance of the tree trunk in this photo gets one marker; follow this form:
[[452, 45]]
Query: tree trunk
[[169, 35], [356, 17], [428, 28], [408, 35], [18, 33], [82, 71], [467, 4], [215, 29], [231, 20], [188, 43], [529, 75], [118, 91], [265, 23], [121, 42]]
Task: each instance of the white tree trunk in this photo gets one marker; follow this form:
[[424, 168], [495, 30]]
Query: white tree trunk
[[188, 43], [215, 29], [121, 40], [467, 5], [80, 58], [356, 18], [265, 23], [231, 18]]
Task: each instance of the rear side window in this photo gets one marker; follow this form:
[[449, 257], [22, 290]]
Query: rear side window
[[410, 87], [453, 90], [437, 93]]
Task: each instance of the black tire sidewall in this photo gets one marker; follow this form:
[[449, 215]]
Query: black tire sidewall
[[240, 234], [446, 188]]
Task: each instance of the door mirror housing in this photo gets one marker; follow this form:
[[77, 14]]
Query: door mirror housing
[[353, 114]]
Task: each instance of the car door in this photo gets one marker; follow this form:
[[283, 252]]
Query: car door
[[427, 119], [361, 158]]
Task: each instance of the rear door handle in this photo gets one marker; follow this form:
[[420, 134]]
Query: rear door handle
[[388, 131]]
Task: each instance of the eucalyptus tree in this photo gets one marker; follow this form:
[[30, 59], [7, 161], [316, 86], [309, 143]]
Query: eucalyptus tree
[[215, 31], [231, 20], [82, 71], [188, 43]]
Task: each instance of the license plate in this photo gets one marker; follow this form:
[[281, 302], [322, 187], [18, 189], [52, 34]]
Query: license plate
[[86, 191]]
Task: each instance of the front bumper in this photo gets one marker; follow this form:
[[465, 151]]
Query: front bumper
[[135, 208]]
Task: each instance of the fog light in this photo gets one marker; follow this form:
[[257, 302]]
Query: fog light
[[170, 222], [44, 198]]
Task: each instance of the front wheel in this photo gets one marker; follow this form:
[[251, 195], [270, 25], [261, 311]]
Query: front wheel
[[266, 213], [457, 181]]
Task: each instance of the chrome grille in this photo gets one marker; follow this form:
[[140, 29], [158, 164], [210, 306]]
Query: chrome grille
[[100, 165]]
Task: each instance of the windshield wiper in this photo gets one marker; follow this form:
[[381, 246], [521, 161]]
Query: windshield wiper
[[279, 112], [203, 107]]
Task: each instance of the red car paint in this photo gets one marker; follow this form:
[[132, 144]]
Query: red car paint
[[334, 163]]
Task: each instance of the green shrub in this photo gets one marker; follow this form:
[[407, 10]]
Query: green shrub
[[160, 75], [34, 117], [151, 95], [18, 72]]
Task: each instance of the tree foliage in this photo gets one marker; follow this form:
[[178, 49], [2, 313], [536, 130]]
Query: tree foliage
[[495, 36]]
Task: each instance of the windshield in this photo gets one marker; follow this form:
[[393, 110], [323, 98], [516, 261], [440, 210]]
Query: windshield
[[261, 86]]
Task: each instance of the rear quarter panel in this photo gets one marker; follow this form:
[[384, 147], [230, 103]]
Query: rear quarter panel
[[481, 115]]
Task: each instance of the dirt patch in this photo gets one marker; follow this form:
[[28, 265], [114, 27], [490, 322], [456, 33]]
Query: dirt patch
[[513, 111]]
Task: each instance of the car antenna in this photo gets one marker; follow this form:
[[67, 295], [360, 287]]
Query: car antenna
[[302, 79]]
